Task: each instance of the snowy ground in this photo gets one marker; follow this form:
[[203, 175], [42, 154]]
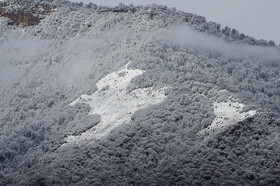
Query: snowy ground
[[227, 113], [114, 103]]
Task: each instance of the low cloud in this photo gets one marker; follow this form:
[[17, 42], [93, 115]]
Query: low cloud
[[83, 57], [22, 48], [192, 39], [14, 52]]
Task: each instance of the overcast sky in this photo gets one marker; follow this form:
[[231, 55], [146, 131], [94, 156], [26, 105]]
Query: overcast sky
[[257, 18]]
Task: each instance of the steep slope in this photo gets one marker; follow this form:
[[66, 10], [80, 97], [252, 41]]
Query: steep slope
[[183, 72]]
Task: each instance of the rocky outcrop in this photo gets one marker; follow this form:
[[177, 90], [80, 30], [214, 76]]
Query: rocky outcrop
[[27, 14]]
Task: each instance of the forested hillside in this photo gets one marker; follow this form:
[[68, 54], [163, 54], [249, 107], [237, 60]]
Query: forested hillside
[[134, 95]]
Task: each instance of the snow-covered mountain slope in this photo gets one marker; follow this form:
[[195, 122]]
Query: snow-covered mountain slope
[[196, 105], [227, 113], [115, 104]]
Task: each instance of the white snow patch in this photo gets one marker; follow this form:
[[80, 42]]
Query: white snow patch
[[114, 103], [227, 113]]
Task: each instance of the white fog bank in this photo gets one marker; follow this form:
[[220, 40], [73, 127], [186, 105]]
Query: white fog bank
[[184, 36], [16, 51]]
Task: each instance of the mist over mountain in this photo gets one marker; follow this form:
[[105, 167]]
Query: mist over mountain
[[134, 95]]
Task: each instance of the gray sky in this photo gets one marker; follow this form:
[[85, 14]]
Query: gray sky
[[257, 18]]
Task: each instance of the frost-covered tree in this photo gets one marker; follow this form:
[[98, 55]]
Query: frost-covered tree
[[45, 67]]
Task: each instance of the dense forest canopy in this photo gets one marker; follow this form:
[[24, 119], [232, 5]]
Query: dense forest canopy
[[45, 67]]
